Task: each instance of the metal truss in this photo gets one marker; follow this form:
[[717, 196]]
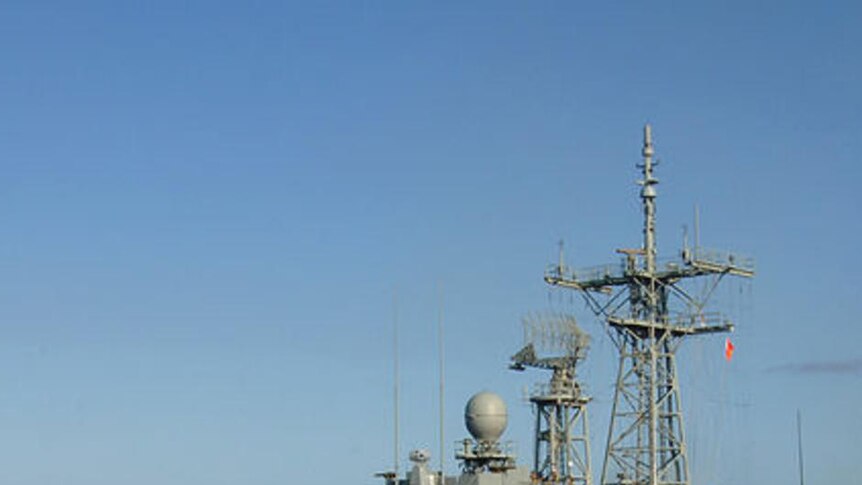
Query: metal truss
[[648, 313], [562, 447]]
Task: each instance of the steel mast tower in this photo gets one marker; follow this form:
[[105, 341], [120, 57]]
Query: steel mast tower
[[649, 311], [561, 452]]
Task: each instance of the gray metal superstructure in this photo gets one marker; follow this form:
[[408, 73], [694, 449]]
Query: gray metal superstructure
[[649, 312], [561, 443], [648, 309], [484, 459]]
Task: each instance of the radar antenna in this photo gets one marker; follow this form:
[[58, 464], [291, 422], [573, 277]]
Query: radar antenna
[[561, 453], [649, 312]]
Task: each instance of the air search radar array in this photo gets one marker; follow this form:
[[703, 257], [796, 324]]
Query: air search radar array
[[648, 306]]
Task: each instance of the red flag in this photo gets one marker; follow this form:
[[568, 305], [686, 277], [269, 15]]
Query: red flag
[[728, 349]]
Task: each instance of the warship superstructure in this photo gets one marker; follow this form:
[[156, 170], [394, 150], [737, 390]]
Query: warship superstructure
[[648, 308]]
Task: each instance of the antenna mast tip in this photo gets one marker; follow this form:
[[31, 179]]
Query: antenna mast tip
[[648, 150]]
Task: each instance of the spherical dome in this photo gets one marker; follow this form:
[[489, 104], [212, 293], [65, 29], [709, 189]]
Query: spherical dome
[[485, 416]]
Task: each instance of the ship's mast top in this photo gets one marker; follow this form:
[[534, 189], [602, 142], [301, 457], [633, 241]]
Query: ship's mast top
[[648, 195], [649, 310]]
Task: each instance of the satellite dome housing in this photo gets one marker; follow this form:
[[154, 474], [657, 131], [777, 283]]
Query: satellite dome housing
[[485, 416]]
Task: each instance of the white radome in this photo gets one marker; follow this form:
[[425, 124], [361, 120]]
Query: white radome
[[485, 416]]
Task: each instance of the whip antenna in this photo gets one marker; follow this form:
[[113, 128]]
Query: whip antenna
[[442, 382], [395, 377], [799, 442]]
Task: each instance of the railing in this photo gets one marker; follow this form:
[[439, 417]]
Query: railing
[[698, 256], [545, 389], [679, 322], [592, 273], [722, 258], [468, 448], [702, 319]]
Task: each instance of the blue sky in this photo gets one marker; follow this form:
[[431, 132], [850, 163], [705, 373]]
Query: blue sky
[[207, 207]]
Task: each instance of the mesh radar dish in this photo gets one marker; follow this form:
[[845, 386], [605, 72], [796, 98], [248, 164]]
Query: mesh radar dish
[[561, 454], [552, 341]]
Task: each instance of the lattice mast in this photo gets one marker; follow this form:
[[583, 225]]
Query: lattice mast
[[649, 311], [561, 444]]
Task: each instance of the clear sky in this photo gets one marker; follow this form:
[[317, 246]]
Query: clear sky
[[206, 208]]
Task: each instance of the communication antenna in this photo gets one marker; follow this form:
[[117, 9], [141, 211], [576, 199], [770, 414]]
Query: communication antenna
[[687, 250], [442, 381], [391, 477], [696, 227], [561, 264], [799, 442], [395, 379], [649, 310]]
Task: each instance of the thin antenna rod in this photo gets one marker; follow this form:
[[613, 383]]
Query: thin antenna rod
[[561, 266], [685, 238], [442, 383], [799, 440], [648, 195], [395, 377], [696, 228]]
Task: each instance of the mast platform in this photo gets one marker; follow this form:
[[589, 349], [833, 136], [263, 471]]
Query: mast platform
[[692, 263]]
